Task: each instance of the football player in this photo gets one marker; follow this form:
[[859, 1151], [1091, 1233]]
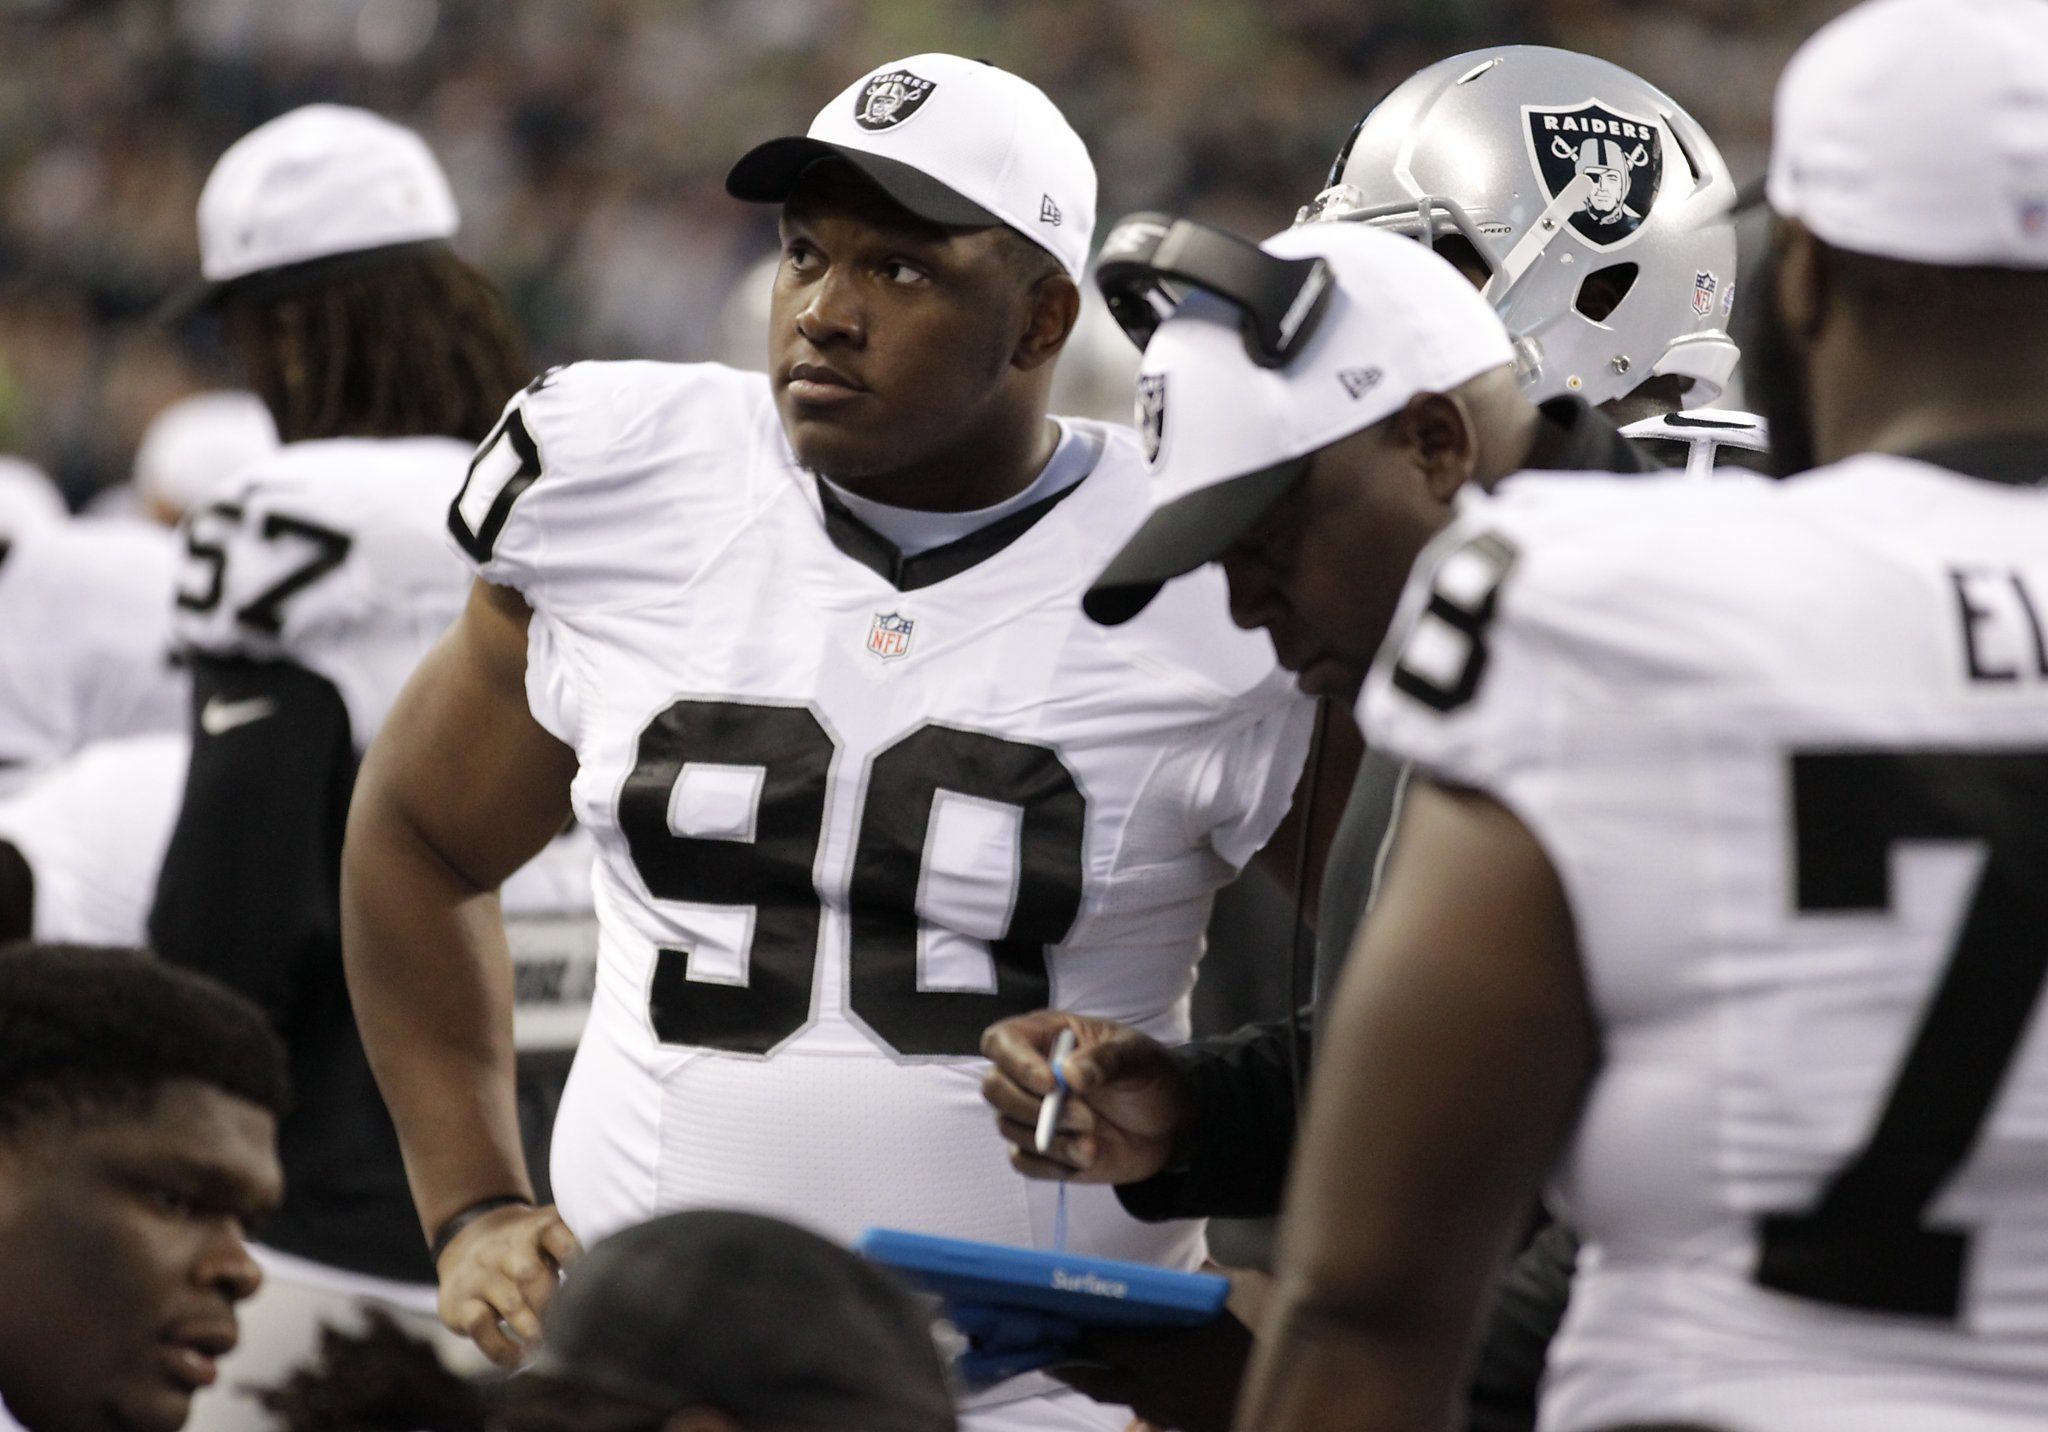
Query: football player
[[1758, 780], [85, 640], [310, 589], [138, 1141], [82, 841], [804, 652]]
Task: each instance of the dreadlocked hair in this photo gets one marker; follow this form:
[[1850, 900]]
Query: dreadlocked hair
[[418, 347]]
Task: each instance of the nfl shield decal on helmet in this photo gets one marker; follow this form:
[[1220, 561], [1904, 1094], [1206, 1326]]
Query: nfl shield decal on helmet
[[1151, 415], [1703, 286], [889, 98], [889, 635], [1621, 153]]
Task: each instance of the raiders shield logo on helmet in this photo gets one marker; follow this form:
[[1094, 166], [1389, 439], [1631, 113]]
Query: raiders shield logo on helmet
[[1152, 413], [889, 98], [1622, 153]]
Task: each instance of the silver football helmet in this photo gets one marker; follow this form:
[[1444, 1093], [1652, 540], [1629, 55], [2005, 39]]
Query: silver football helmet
[[1599, 210]]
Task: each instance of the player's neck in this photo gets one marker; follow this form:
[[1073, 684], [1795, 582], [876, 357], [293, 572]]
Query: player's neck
[[1874, 411], [989, 466], [1898, 384]]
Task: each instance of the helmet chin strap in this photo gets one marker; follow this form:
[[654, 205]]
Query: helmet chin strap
[[1549, 224]]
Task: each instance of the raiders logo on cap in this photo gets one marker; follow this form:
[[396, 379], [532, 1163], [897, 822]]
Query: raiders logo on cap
[[1152, 413], [889, 98], [1623, 153]]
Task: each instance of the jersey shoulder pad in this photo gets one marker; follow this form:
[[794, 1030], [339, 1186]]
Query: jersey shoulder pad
[[1561, 598], [594, 458], [1185, 632], [321, 539]]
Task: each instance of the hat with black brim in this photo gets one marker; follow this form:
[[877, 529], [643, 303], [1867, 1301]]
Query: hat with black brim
[[268, 285], [769, 173], [1183, 535]]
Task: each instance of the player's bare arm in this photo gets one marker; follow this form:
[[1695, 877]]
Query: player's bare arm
[[1126, 1106], [460, 789], [1459, 1052]]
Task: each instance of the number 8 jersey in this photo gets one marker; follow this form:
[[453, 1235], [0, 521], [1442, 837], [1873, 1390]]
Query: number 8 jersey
[[851, 807], [1786, 747]]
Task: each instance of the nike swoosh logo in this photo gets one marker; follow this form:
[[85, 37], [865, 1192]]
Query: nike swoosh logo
[[218, 717]]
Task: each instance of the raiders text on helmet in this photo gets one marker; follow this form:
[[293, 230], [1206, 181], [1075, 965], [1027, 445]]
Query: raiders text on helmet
[[1600, 209]]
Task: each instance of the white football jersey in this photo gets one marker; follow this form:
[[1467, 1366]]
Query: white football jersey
[[93, 829], [328, 554], [1787, 748], [332, 555], [845, 824], [85, 641]]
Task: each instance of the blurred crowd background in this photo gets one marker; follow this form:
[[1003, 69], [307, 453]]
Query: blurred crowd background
[[588, 141]]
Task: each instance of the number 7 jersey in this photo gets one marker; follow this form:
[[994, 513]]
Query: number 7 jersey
[[852, 807], [1787, 749]]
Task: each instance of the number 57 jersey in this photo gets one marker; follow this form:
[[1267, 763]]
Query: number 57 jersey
[[852, 807], [1787, 749]]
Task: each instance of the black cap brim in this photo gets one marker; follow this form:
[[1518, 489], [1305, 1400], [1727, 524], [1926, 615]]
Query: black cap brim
[[1181, 536], [266, 285], [768, 174]]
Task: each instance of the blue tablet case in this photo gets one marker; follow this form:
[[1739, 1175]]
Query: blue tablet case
[[1078, 1290]]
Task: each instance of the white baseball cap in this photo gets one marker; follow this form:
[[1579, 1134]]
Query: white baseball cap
[[955, 141], [320, 182], [1918, 130], [28, 499], [1226, 435], [199, 442]]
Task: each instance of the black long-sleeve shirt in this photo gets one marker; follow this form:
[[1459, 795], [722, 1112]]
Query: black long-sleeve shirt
[[250, 893]]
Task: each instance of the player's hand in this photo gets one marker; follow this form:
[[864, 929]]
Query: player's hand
[[1126, 1107], [500, 1273]]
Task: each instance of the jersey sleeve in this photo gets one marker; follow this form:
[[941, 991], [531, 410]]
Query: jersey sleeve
[[575, 495], [1254, 769], [1551, 644]]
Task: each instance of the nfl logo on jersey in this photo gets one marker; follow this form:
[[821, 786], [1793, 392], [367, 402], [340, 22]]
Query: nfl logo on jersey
[[889, 635]]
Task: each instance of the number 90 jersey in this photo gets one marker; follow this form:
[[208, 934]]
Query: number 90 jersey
[[850, 809], [1787, 749]]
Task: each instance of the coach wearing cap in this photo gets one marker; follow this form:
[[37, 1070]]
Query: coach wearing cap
[[1315, 478]]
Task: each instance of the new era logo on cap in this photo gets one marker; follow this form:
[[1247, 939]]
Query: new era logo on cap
[[1048, 212], [1358, 381], [890, 98]]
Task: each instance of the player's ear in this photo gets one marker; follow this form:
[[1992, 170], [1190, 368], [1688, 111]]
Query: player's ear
[[1800, 287], [1051, 310], [1438, 429]]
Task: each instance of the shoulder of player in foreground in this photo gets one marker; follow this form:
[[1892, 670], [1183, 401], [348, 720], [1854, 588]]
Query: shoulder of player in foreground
[[1613, 586], [1184, 635], [589, 410], [593, 458]]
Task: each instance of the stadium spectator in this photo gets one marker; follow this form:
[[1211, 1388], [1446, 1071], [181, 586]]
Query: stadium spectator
[[138, 1139], [720, 1321]]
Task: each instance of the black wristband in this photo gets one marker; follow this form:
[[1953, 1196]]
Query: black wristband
[[440, 1241]]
